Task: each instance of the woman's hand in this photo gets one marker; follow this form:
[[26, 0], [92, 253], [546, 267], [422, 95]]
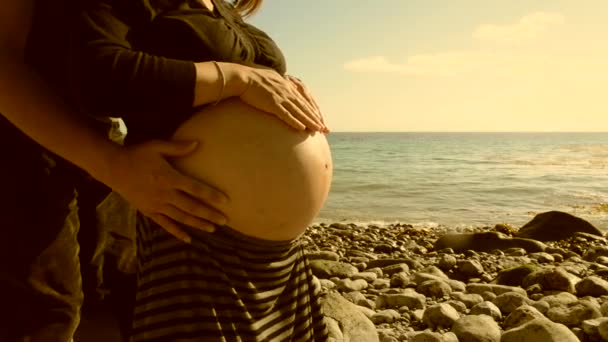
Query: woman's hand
[[304, 91], [270, 92], [144, 177]]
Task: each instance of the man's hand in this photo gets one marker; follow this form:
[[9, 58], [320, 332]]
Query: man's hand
[[144, 177]]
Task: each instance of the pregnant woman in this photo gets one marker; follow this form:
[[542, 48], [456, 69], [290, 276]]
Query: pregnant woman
[[164, 67]]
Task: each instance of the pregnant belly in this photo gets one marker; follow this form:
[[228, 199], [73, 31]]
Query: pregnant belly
[[277, 179]]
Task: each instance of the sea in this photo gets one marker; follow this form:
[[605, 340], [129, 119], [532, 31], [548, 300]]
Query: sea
[[466, 179]]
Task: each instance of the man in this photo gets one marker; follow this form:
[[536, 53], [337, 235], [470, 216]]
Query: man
[[40, 288]]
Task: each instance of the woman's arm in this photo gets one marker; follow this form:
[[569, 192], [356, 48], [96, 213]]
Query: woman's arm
[[141, 174], [118, 77]]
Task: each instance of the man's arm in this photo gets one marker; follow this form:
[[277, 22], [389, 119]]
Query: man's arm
[[141, 174]]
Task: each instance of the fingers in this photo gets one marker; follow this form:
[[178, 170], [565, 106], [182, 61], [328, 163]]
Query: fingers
[[195, 192], [301, 114], [283, 97], [175, 148], [190, 208], [302, 90], [189, 220], [286, 116], [171, 227]]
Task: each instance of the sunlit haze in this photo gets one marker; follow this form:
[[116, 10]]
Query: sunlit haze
[[441, 65]]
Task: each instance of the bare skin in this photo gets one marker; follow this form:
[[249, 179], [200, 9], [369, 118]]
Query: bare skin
[[277, 178], [141, 174]]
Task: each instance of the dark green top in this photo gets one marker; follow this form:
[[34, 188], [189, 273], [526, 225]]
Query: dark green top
[[134, 58]]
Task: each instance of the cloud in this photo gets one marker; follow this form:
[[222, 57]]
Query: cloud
[[527, 28], [452, 63], [447, 63]]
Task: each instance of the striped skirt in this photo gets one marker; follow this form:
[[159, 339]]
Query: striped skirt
[[225, 286]]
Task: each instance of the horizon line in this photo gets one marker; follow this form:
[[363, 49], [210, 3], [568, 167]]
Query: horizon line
[[606, 132]]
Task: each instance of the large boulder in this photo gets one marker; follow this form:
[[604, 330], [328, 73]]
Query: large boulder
[[555, 226], [486, 242]]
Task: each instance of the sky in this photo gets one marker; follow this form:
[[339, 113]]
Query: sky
[[448, 65]]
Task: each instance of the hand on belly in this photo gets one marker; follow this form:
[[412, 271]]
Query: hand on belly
[[277, 178]]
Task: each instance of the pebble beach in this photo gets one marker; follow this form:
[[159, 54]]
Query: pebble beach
[[542, 282]]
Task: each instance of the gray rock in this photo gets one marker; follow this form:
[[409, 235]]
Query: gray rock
[[381, 283], [555, 226], [433, 270], [323, 255], [376, 270], [488, 296], [409, 298], [488, 309], [595, 252], [440, 316], [590, 237], [386, 336], [573, 314], [552, 279], [447, 262], [384, 248], [387, 262], [456, 285], [476, 328], [486, 242], [515, 251], [333, 329], [592, 286], [367, 311], [347, 285], [496, 289], [325, 269], [541, 306], [385, 316], [392, 269], [520, 316], [602, 329], [514, 276], [367, 276], [458, 305], [540, 329], [341, 226], [354, 297], [328, 284], [542, 257], [358, 260], [355, 326], [591, 326], [360, 254], [470, 268], [435, 289], [604, 308], [508, 302], [469, 299], [400, 280], [430, 336], [562, 298]]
